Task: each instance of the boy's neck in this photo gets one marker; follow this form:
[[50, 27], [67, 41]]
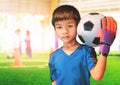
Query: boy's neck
[[70, 48]]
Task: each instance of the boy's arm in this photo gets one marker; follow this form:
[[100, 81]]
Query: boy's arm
[[52, 70], [54, 83], [98, 70], [109, 27]]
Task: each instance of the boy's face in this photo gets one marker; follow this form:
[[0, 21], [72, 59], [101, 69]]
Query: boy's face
[[66, 30]]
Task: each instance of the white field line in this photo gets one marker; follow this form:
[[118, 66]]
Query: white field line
[[24, 60], [26, 66]]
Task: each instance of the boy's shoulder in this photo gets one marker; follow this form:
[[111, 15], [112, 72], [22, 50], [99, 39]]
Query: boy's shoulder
[[90, 50], [86, 46], [55, 52]]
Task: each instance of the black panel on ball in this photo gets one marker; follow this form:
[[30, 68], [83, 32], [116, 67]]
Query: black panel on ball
[[88, 26], [96, 40], [81, 38]]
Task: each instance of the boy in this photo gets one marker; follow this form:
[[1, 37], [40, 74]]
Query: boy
[[73, 63]]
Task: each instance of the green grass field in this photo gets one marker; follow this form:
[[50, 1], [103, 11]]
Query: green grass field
[[35, 70]]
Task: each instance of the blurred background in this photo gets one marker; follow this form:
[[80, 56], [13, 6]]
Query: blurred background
[[35, 16]]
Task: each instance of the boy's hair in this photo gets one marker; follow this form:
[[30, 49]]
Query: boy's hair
[[65, 12]]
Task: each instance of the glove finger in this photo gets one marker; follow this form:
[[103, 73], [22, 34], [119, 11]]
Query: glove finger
[[103, 23], [103, 26], [100, 34], [114, 27], [109, 23]]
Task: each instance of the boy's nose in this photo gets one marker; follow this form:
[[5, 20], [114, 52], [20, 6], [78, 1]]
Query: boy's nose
[[65, 30]]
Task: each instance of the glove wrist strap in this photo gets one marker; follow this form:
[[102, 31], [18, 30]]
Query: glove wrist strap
[[104, 49], [103, 43]]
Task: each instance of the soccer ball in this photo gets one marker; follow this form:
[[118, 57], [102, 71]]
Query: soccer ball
[[89, 29]]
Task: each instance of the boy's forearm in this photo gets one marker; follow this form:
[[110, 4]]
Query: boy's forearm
[[98, 70], [54, 83]]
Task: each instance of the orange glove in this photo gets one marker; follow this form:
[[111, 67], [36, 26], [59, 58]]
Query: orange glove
[[109, 28]]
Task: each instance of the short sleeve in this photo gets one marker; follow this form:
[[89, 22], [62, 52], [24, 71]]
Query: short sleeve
[[91, 59], [52, 68]]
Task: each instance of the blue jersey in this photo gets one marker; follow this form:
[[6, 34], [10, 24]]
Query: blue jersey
[[73, 69]]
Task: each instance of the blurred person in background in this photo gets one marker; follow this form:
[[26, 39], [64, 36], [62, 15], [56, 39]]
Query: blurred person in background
[[17, 48], [28, 44]]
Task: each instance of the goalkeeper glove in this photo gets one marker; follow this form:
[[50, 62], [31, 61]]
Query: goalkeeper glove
[[108, 34]]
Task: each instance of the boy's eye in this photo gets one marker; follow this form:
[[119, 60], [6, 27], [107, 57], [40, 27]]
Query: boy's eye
[[58, 27], [70, 26]]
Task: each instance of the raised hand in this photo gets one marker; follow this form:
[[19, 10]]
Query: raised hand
[[109, 28]]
